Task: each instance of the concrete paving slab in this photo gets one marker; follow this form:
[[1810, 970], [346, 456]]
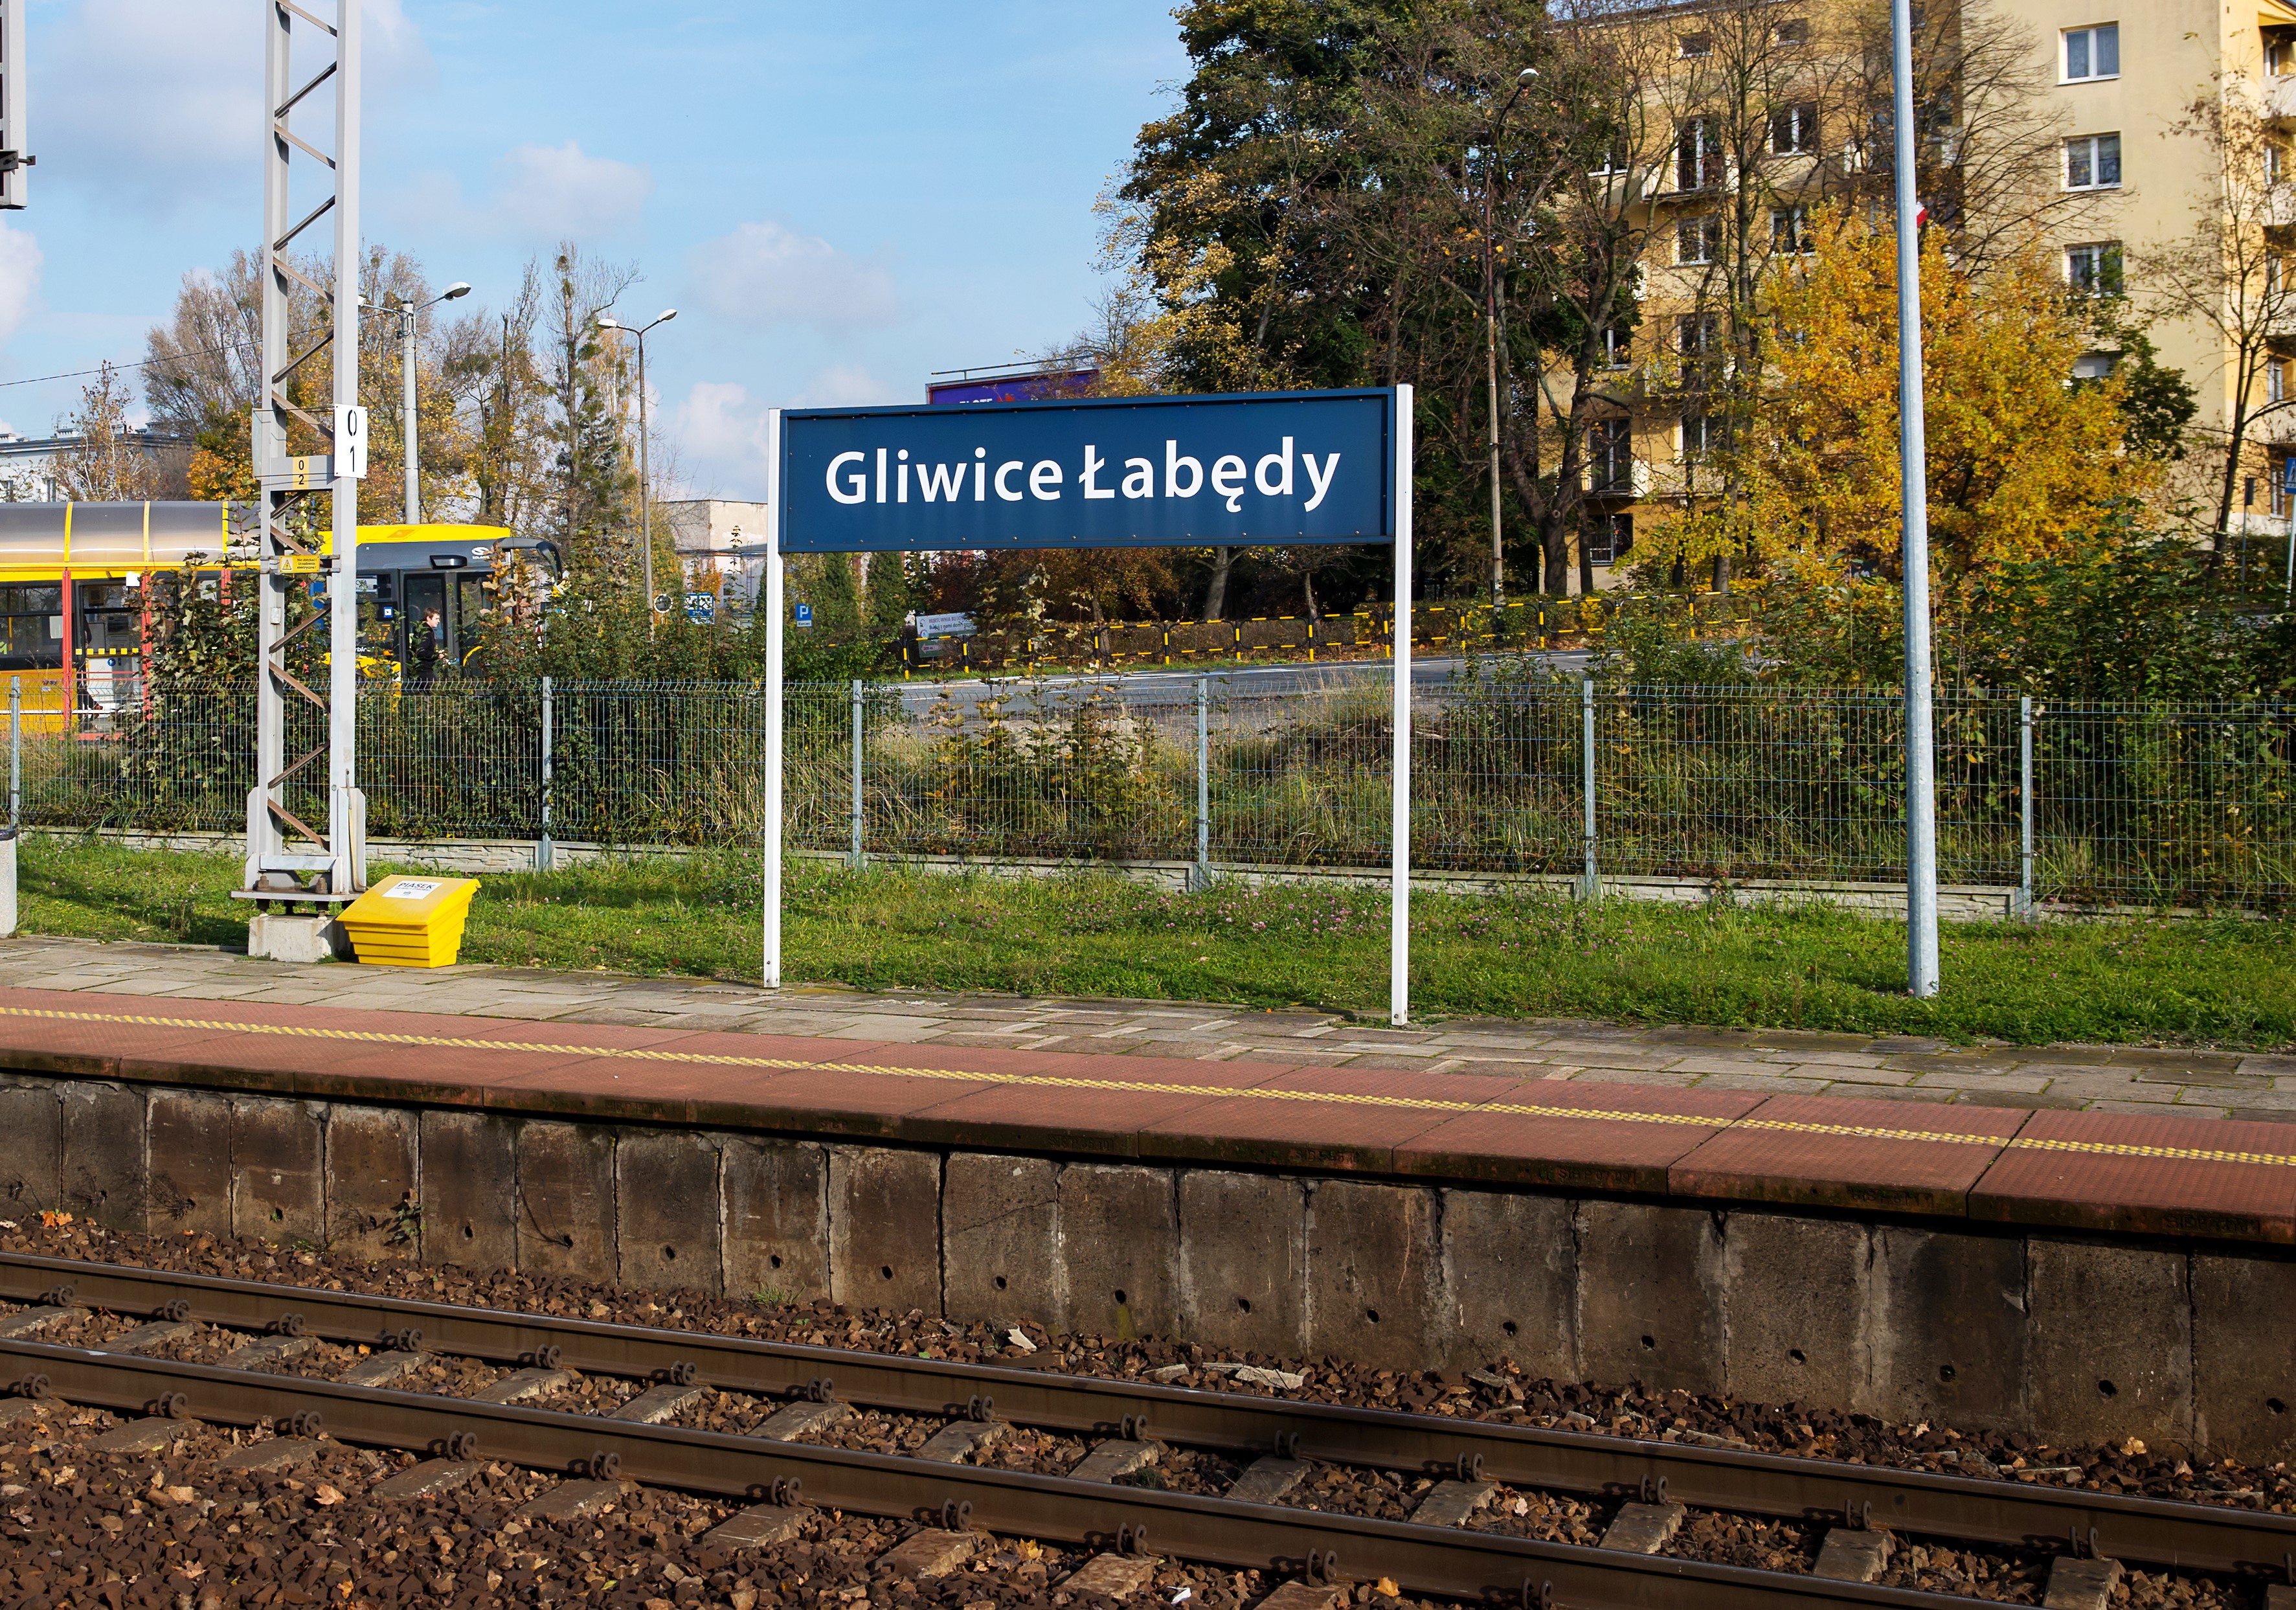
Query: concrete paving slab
[[928, 1554], [1111, 1575], [760, 1526]]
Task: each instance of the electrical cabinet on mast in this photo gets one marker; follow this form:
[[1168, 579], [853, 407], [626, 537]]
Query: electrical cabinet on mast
[[15, 151]]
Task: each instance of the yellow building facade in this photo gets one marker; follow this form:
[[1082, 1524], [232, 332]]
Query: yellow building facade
[[2120, 182]]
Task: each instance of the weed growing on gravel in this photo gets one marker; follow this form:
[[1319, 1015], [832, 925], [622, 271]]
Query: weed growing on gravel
[[2216, 980]]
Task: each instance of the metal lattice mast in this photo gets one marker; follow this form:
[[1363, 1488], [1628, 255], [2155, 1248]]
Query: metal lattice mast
[[289, 856]]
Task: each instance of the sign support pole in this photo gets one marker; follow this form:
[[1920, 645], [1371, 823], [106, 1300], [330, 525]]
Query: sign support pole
[[1921, 752], [773, 830], [1398, 942]]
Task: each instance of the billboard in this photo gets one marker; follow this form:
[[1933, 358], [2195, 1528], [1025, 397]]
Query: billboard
[[1276, 468], [1042, 385]]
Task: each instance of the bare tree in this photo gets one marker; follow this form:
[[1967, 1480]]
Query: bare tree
[[204, 368], [1990, 149], [106, 463], [2231, 275]]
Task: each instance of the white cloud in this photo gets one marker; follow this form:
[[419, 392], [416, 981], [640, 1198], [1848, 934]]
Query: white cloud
[[20, 276], [151, 104], [845, 386], [716, 422], [554, 190], [765, 274]]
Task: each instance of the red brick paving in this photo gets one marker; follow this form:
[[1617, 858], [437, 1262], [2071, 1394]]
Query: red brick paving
[[1595, 1152], [1904, 1176], [2169, 1196]]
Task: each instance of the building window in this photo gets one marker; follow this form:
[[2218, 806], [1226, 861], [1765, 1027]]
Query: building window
[[1790, 230], [2093, 162], [2093, 53], [1613, 158], [1794, 32], [2095, 270], [1696, 333], [1694, 45], [1610, 456], [1617, 347], [1698, 337], [1697, 240], [1701, 433], [1609, 538], [2275, 161], [2279, 384], [1697, 161], [2279, 57], [1793, 129], [2096, 366]]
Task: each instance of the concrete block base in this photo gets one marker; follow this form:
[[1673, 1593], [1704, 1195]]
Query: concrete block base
[[1971, 1324], [305, 939]]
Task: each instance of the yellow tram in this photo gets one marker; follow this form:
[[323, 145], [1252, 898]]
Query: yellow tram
[[73, 606]]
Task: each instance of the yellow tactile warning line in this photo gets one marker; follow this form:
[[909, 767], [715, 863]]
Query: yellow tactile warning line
[[1424, 1104]]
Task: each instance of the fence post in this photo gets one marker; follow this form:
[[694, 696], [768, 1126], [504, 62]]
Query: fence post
[[2025, 805], [543, 857], [856, 774], [1203, 784], [1590, 882], [16, 752]]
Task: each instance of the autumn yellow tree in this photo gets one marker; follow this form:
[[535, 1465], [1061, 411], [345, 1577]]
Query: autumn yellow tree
[[2019, 460]]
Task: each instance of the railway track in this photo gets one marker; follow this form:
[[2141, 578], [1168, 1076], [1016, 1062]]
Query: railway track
[[1647, 1487]]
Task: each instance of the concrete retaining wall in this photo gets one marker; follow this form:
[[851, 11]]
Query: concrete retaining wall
[[2073, 1340]]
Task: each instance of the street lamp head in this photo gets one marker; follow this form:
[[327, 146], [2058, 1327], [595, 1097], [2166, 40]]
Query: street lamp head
[[1526, 75], [667, 314], [606, 321], [458, 289]]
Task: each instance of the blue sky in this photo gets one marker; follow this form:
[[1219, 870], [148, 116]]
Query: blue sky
[[837, 197]]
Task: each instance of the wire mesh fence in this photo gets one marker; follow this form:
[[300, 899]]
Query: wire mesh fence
[[1514, 770]]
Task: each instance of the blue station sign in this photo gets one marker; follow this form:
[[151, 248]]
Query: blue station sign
[[1272, 469]]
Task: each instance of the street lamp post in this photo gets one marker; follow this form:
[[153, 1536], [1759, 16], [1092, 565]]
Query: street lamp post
[[1921, 759], [1491, 333], [407, 311], [645, 481]]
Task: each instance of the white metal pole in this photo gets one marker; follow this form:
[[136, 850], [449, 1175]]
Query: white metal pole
[[1921, 760], [773, 830], [406, 314], [2025, 805], [645, 489], [857, 740], [1590, 880], [1399, 939], [544, 852], [1203, 784], [346, 814]]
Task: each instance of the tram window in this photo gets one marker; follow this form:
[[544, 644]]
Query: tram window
[[32, 627], [110, 618], [469, 606]]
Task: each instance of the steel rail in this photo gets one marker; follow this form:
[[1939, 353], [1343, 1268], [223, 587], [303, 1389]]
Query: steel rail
[[2151, 1530], [1422, 1559]]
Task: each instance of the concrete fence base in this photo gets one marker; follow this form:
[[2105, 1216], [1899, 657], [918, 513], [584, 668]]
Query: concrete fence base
[[1966, 903], [2071, 1339]]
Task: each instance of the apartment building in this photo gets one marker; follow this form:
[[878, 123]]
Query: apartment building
[[2104, 91]]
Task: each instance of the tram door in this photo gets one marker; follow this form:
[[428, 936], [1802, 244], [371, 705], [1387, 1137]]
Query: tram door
[[429, 628]]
